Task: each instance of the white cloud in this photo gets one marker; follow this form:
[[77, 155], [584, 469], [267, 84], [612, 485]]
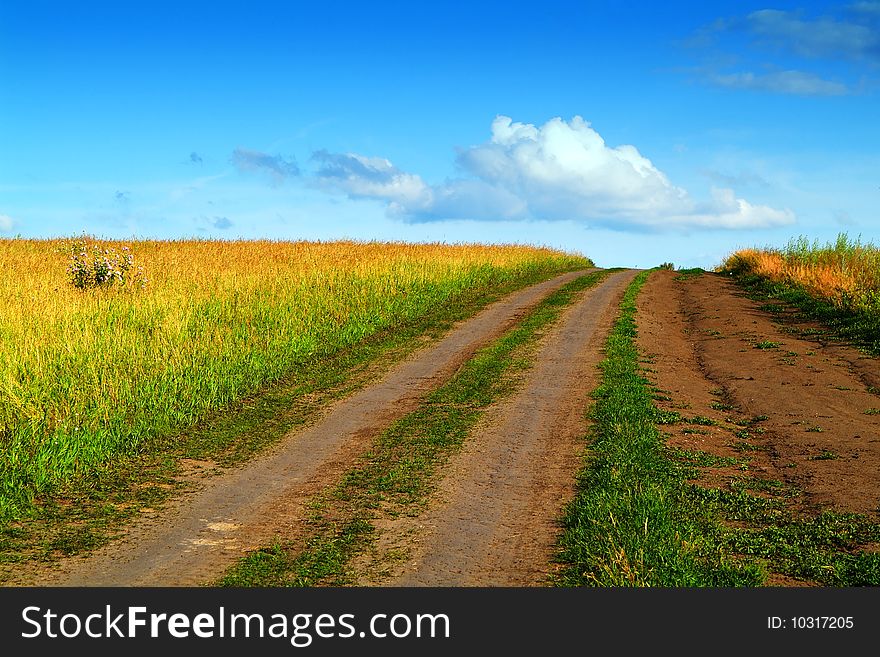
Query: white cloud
[[6, 223], [562, 170], [372, 177], [564, 167], [408, 196], [727, 211]]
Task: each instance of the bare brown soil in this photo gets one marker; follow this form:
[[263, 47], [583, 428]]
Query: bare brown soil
[[493, 521], [201, 535], [796, 407]]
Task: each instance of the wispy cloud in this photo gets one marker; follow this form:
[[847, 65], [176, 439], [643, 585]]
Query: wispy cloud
[[562, 170], [195, 158], [784, 82], [371, 177], [6, 223], [819, 37], [789, 52], [276, 166], [221, 223]]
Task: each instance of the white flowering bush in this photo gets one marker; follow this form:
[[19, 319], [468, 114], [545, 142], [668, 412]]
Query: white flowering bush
[[95, 266]]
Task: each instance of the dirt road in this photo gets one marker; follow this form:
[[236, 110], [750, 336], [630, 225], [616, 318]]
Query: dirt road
[[194, 541], [494, 522]]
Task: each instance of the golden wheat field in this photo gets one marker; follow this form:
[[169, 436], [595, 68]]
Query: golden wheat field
[[86, 374]]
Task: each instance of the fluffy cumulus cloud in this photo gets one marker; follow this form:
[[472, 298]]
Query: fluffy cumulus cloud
[[278, 168], [565, 169], [562, 170], [5, 223]]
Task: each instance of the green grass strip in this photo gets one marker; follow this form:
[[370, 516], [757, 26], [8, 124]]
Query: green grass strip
[[632, 522], [827, 549], [401, 470]]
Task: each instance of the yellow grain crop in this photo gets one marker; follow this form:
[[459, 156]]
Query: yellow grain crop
[[85, 374]]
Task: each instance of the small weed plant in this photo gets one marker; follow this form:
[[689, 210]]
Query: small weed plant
[[91, 265]]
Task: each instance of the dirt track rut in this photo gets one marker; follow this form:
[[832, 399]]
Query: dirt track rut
[[495, 523], [195, 540]]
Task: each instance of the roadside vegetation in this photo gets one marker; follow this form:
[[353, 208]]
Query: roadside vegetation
[[644, 515], [836, 283], [399, 473], [109, 352]]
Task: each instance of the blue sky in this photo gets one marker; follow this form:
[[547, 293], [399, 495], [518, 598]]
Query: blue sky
[[634, 133]]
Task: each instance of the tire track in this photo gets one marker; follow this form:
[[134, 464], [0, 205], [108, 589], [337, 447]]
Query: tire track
[[197, 538], [495, 524]]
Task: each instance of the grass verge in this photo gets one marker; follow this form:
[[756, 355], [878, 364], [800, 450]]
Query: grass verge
[[398, 474], [86, 512]]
